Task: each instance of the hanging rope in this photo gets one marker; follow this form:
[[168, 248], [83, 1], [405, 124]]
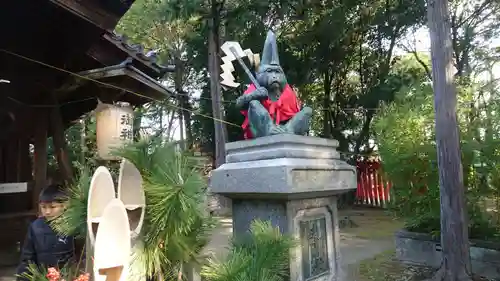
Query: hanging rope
[[113, 86]]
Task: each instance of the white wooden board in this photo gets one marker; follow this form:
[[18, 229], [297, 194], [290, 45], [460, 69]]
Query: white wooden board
[[14, 187]]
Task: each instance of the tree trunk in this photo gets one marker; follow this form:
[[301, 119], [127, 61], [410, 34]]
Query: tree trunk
[[180, 98], [160, 109], [454, 235], [364, 135], [170, 124], [215, 91], [181, 128], [183, 99], [83, 141], [187, 121], [327, 88], [222, 204]]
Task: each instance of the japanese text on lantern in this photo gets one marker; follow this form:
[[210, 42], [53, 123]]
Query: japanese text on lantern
[[126, 131]]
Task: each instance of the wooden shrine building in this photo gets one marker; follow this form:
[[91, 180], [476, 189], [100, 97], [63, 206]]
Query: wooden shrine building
[[42, 43]]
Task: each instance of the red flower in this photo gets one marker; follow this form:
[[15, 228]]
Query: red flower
[[83, 277], [53, 274]]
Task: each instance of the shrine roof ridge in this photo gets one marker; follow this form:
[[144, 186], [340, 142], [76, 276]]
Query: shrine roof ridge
[[149, 58]]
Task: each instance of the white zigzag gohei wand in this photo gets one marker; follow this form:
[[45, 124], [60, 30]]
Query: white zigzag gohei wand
[[233, 52]]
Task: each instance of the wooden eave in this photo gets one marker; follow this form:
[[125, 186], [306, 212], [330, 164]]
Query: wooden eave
[[125, 69], [93, 15], [69, 35], [122, 82], [94, 11]]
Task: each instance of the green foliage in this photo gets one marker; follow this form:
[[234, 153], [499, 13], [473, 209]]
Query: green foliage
[[73, 222], [203, 128], [262, 256], [406, 140], [34, 273], [343, 75], [176, 226], [81, 149], [338, 74]]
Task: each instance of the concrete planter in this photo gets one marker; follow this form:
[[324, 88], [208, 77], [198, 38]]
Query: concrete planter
[[421, 249]]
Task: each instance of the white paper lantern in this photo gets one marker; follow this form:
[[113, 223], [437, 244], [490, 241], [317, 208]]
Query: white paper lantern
[[101, 192], [114, 128], [112, 244], [131, 193]]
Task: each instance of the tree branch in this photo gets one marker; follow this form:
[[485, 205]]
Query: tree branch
[[474, 14], [426, 68]]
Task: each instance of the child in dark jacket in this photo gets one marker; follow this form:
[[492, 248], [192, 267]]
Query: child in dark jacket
[[43, 246]]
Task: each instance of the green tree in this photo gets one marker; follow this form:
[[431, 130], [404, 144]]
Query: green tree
[[150, 24], [406, 143]]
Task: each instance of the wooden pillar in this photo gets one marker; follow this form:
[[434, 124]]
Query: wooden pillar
[[3, 165], [24, 160], [60, 148], [40, 162], [17, 166], [12, 164]]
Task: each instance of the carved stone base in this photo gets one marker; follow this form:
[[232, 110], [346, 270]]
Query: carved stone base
[[292, 181]]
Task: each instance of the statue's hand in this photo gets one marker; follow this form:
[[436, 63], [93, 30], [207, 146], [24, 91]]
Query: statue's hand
[[257, 94], [260, 94]]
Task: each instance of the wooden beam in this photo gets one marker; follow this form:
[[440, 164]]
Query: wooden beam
[[40, 163], [102, 55], [105, 72], [89, 12], [130, 71], [13, 187], [22, 122], [148, 81]]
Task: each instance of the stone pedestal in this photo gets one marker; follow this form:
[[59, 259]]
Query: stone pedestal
[[293, 181]]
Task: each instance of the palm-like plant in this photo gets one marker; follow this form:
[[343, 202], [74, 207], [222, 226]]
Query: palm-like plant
[[175, 228], [74, 219], [34, 273], [263, 255]]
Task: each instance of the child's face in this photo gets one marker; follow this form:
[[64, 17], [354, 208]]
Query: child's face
[[51, 210]]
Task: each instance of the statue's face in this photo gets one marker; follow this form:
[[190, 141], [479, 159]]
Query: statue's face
[[272, 78]]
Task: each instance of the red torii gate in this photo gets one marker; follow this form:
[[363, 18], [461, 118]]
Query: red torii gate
[[373, 189]]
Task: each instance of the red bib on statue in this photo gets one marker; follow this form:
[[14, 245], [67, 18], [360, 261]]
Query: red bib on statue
[[281, 110]]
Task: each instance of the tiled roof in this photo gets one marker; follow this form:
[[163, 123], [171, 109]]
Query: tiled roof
[[137, 50]]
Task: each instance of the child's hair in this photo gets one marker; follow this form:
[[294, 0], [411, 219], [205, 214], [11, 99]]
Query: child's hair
[[52, 193]]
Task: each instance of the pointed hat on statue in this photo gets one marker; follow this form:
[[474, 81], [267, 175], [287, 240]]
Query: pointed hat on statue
[[270, 51]]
